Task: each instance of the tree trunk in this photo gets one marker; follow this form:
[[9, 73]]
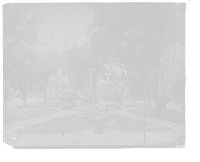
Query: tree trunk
[[149, 101], [45, 95], [166, 78], [24, 98], [124, 91]]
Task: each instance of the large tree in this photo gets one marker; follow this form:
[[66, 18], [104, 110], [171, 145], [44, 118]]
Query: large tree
[[138, 87], [148, 38], [77, 61], [19, 26], [21, 72], [19, 36], [116, 78], [112, 93], [46, 66]]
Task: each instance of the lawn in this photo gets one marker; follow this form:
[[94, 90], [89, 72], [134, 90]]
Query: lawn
[[128, 124], [171, 115], [69, 125], [65, 123], [21, 114]]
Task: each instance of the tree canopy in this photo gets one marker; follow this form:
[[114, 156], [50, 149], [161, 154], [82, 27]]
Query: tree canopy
[[77, 61], [19, 42], [146, 37]]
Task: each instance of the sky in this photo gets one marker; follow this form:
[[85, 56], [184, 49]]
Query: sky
[[61, 25]]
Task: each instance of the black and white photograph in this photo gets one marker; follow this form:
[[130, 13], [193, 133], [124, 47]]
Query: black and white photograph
[[94, 75]]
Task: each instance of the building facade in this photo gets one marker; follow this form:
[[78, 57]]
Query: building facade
[[57, 88]]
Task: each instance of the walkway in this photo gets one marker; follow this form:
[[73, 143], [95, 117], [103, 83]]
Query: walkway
[[110, 137], [23, 124]]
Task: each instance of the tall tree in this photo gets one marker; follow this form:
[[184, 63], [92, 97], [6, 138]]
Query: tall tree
[[19, 26], [20, 41], [22, 72], [147, 37], [112, 93], [77, 61], [137, 83], [46, 65], [119, 78]]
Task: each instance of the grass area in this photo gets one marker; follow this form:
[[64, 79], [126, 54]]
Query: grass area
[[171, 115], [55, 126], [21, 114], [129, 124], [67, 124]]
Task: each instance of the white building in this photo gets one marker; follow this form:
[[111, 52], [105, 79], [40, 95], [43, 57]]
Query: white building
[[57, 87]]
